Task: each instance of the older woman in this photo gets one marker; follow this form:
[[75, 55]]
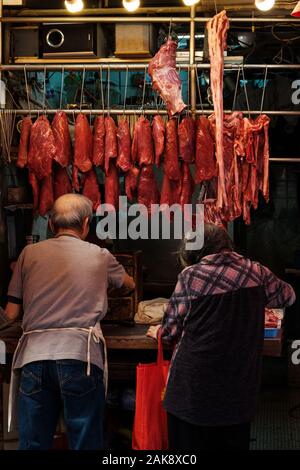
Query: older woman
[[216, 316]]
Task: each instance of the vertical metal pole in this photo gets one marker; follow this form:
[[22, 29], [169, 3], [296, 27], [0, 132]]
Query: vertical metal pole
[[1, 31], [193, 88]]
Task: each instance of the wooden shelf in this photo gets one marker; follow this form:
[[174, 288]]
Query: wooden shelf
[[13, 207]]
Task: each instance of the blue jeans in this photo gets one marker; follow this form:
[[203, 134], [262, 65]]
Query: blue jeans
[[49, 387]]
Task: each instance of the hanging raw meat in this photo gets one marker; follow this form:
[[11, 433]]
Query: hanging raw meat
[[187, 186], [111, 145], [75, 179], [91, 188], [124, 146], [35, 189], [61, 183], [112, 189], [170, 191], [131, 182], [217, 34], [24, 142], [46, 196], [60, 129], [165, 78], [148, 193], [99, 141], [186, 139], [205, 164], [142, 144], [158, 133], [41, 148], [83, 144], [172, 168]]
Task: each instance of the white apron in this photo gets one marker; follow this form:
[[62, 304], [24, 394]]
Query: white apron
[[93, 332]]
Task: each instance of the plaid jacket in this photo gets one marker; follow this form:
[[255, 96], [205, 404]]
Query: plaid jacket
[[217, 315], [217, 274]]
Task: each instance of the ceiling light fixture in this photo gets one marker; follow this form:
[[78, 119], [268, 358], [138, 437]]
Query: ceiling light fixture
[[131, 5], [264, 5], [190, 3], [74, 6], [296, 11]]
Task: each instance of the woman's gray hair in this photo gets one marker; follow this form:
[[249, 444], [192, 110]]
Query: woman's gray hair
[[70, 211], [216, 240]]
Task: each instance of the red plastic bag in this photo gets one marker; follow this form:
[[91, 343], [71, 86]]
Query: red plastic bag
[[150, 430]]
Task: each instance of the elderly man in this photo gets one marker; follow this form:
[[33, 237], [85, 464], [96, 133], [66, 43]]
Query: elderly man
[[62, 284]]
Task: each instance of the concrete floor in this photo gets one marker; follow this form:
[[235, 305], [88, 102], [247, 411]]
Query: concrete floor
[[274, 428]]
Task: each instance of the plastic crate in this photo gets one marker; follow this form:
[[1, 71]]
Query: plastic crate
[[271, 332]]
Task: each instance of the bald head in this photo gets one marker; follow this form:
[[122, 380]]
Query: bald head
[[70, 211]]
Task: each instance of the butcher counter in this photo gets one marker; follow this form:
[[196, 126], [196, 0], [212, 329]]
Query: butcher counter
[[127, 345]]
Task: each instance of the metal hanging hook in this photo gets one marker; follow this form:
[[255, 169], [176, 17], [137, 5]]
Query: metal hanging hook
[[27, 89], [246, 93], [44, 98], [199, 90], [61, 86], [264, 90], [108, 90], [101, 88], [125, 91], [236, 88], [82, 88], [144, 90]]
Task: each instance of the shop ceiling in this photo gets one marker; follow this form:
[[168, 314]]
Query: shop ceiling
[[282, 8]]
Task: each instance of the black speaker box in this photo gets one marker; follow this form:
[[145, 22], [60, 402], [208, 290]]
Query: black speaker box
[[23, 42], [63, 40]]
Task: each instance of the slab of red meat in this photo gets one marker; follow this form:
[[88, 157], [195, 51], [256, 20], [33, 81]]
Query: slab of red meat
[[61, 182], [187, 186], [124, 146], [35, 189], [75, 179], [99, 141], [217, 34], [60, 129], [165, 78], [170, 191], [142, 144], [147, 188], [212, 214], [111, 144], [171, 167], [131, 182], [205, 164], [24, 142], [187, 139], [91, 188], [46, 195], [41, 148], [83, 144], [112, 189], [158, 133]]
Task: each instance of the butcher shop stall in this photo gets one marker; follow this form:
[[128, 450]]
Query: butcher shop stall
[[155, 103]]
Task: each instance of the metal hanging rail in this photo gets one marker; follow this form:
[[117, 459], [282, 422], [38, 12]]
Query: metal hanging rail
[[137, 19], [149, 112], [140, 66]]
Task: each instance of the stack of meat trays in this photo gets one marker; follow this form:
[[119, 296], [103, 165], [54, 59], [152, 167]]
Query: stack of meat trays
[[273, 322]]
